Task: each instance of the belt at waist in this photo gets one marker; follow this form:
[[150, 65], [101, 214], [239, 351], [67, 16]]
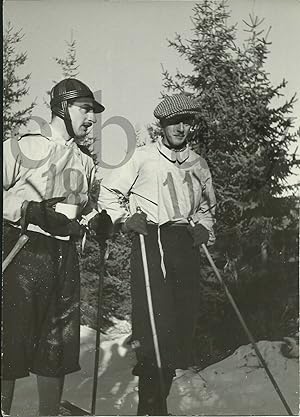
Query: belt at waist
[[170, 224], [9, 229]]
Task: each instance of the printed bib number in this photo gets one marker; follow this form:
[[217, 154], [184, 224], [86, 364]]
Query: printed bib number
[[72, 181], [169, 183]]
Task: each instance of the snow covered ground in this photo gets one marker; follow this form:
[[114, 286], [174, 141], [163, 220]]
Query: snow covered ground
[[235, 386]]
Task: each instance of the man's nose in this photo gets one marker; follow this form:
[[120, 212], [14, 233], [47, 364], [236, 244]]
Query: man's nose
[[92, 117], [180, 127]]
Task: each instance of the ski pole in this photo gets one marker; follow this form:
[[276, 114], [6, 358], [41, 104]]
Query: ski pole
[[22, 240], [152, 320], [244, 325], [97, 347]]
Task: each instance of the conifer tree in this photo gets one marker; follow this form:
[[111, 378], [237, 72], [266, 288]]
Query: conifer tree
[[241, 131], [244, 133], [70, 69], [15, 85], [68, 64]]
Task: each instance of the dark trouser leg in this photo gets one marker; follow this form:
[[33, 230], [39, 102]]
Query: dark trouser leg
[[58, 337], [174, 301], [40, 317], [183, 262], [150, 398], [40, 308]]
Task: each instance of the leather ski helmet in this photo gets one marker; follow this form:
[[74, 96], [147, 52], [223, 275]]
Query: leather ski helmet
[[66, 90]]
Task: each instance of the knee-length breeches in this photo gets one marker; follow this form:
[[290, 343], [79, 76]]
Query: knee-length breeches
[[41, 312]]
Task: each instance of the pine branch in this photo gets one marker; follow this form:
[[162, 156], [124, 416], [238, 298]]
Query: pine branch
[[15, 87]]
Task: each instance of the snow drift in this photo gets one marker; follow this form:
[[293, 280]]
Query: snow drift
[[238, 385]]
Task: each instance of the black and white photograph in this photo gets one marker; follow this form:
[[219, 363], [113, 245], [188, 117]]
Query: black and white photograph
[[150, 211]]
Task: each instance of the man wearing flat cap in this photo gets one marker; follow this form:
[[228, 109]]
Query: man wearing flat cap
[[169, 183]]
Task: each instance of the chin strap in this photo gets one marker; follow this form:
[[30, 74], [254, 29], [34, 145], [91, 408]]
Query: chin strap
[[67, 119]]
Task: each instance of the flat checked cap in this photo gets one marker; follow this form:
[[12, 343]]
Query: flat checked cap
[[176, 105]]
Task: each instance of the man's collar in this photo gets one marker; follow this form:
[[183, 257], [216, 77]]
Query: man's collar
[[173, 155], [57, 137]]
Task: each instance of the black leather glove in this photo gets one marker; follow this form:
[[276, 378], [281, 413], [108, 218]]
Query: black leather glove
[[136, 223], [74, 229], [199, 234], [57, 224], [101, 226]]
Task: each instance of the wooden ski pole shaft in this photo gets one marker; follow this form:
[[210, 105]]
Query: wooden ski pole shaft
[[15, 250], [98, 330], [23, 238], [244, 325], [152, 320]]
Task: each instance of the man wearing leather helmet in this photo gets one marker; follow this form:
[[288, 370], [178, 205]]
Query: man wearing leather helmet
[[41, 285]]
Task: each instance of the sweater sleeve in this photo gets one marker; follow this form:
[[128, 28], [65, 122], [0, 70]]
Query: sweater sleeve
[[11, 172], [115, 188], [89, 210]]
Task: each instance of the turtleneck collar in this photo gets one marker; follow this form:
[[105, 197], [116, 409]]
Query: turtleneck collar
[[180, 155], [58, 137]]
